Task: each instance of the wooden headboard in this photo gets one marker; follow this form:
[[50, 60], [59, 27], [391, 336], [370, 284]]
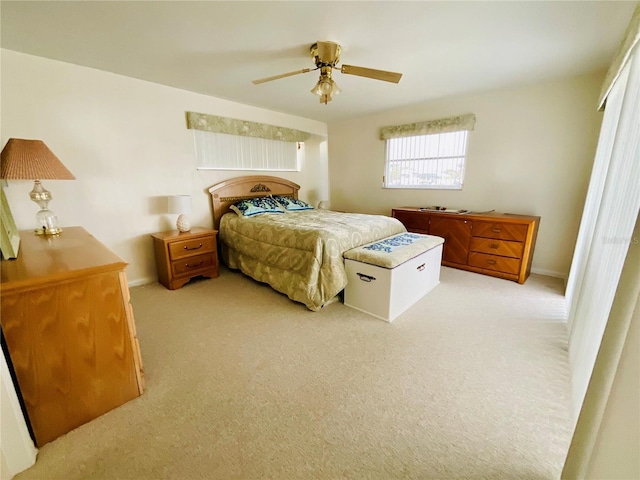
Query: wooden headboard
[[228, 192]]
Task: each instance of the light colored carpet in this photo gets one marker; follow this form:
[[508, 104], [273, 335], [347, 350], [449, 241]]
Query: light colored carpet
[[242, 383]]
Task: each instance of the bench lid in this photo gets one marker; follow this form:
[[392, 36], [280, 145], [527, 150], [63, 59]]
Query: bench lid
[[392, 251]]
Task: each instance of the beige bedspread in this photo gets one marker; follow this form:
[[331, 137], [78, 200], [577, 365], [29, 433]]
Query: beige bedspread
[[300, 253]]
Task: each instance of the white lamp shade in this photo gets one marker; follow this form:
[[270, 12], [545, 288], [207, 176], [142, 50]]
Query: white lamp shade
[[179, 204]]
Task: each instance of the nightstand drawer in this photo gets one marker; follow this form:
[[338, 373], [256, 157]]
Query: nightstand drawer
[[190, 266], [494, 262], [502, 231], [194, 246], [497, 247]]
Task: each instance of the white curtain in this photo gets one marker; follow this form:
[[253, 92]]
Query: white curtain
[[610, 213], [595, 194]]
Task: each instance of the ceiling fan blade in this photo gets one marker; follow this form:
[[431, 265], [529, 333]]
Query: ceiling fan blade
[[282, 75], [371, 73]]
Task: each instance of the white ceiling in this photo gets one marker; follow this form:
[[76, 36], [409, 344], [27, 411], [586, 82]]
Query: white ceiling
[[217, 48]]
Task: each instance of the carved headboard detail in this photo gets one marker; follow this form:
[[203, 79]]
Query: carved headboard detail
[[258, 187], [228, 192]]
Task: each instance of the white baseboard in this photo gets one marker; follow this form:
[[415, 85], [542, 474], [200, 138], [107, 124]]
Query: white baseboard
[[549, 273], [141, 281]]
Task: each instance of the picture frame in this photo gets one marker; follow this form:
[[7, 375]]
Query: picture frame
[[9, 236]]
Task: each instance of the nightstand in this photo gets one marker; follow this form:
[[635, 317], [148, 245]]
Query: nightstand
[[182, 256]]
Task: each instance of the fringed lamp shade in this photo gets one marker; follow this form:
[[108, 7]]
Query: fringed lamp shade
[[32, 160]]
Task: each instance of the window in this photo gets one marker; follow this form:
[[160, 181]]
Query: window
[[429, 154], [426, 161], [223, 143], [221, 151]]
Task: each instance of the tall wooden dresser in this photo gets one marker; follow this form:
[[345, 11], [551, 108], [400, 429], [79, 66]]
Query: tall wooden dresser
[[496, 244], [69, 329]]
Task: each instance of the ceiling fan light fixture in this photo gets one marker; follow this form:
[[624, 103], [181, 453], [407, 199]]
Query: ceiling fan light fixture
[[318, 88], [326, 88]]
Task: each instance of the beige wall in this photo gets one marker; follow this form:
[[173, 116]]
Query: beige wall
[[531, 152], [127, 143], [616, 450]]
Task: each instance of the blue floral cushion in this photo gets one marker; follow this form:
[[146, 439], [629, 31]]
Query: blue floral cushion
[[392, 251], [256, 206], [390, 244], [292, 204]]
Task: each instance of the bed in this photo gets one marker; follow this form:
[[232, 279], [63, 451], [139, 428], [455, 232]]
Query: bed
[[298, 253]]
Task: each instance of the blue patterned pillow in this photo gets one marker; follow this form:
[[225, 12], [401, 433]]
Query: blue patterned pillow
[[292, 204], [256, 206]]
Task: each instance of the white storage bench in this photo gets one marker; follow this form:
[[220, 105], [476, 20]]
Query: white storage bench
[[388, 276]]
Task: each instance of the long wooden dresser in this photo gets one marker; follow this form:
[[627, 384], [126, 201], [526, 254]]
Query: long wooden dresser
[[69, 330], [496, 244]]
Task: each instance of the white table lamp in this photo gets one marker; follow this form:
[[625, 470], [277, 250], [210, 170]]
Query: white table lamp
[[181, 204]]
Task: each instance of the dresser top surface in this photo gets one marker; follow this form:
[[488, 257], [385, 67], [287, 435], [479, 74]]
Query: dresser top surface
[[49, 258], [490, 215]]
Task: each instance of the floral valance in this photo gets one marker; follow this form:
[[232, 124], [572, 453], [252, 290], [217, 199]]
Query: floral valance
[[630, 40], [233, 126], [442, 125]]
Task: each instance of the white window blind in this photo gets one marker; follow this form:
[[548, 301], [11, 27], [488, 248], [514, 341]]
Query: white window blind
[[426, 161], [610, 213], [222, 151]]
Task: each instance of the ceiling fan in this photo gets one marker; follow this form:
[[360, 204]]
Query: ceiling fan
[[326, 55]]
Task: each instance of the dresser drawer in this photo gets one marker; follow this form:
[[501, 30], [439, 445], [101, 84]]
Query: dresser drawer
[[494, 262], [502, 231], [492, 246], [192, 265], [194, 246]]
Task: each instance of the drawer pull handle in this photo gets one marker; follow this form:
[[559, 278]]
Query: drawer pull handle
[[420, 267], [194, 248], [365, 278], [491, 262], [496, 229], [493, 245], [194, 266]]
